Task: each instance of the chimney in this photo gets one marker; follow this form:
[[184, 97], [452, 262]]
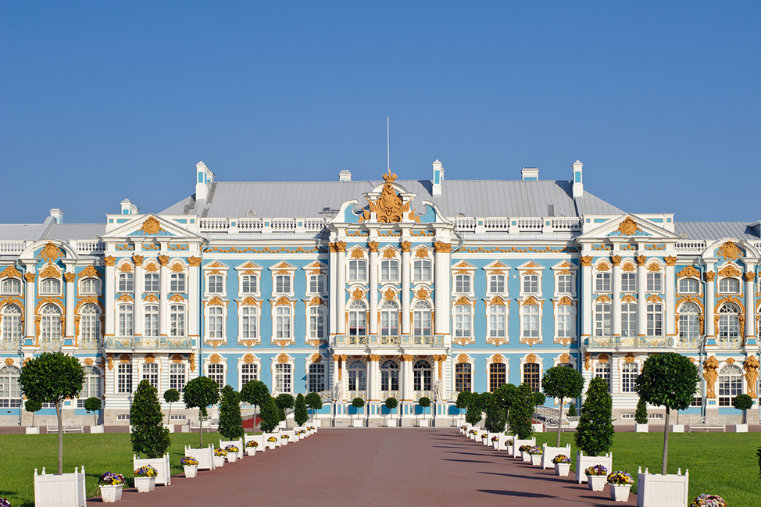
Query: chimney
[[57, 215], [530, 174], [578, 182], [438, 177], [128, 208], [203, 177], [344, 175]]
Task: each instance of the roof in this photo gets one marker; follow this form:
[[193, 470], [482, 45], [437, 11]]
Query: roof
[[20, 231], [484, 198], [715, 230], [65, 232]]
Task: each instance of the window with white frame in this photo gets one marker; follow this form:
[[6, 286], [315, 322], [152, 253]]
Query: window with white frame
[[729, 322], [357, 270], [177, 320], [151, 323], [317, 322], [530, 321], [316, 375], [532, 375], [177, 282], [629, 374], [564, 284], [497, 376], [422, 376], [602, 282], [530, 284], [463, 377], [628, 282], [389, 270], [249, 322], [497, 284], [125, 319], [389, 376], [248, 372], [421, 270], [389, 318], [126, 282], [89, 286], [215, 284], [565, 316], [462, 284], [283, 316], [10, 287], [215, 322], [50, 323], [89, 324], [602, 319], [689, 286], [177, 376], [357, 376], [124, 378], [730, 384], [10, 389], [689, 322], [283, 378], [654, 319], [602, 370], [421, 319], [462, 321], [497, 317], [91, 386], [11, 323], [151, 282], [216, 372], [318, 284], [729, 286], [357, 319], [249, 284], [50, 287], [654, 281], [151, 373], [628, 319], [282, 284]]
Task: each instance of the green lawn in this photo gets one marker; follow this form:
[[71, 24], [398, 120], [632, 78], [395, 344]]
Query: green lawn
[[99, 453], [719, 463]]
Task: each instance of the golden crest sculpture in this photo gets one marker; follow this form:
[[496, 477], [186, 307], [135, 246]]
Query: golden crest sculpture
[[389, 208]]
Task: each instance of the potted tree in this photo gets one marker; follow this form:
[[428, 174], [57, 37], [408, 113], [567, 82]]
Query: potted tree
[[32, 406], [358, 403], [742, 402], [231, 423], [284, 401], [314, 403], [495, 420], [572, 410], [594, 434], [255, 393], [270, 419], [519, 419], [563, 383], [640, 416], [473, 413], [300, 415], [424, 403], [391, 404], [539, 399], [200, 393], [171, 396], [93, 405], [462, 404], [150, 439]]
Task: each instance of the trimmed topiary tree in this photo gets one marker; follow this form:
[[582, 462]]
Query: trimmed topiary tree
[[539, 399], [314, 402], [572, 410], [92, 405], [743, 402], [562, 382], [473, 414], [495, 415], [640, 414], [283, 401], [171, 396], [521, 411], [668, 380], [462, 399], [200, 393], [391, 403], [230, 421], [33, 406], [270, 415], [425, 403], [255, 393], [505, 395], [594, 434], [300, 415], [150, 439], [52, 377], [357, 403]]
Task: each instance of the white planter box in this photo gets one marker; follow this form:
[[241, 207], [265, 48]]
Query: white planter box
[[237, 443], [423, 423], [251, 451], [191, 471], [32, 430], [219, 461], [232, 457], [619, 493], [357, 423], [583, 461], [145, 484], [537, 427], [641, 428], [536, 459], [259, 439], [597, 482], [110, 494], [526, 457], [501, 443], [204, 455], [390, 422], [317, 423], [656, 490], [676, 428], [164, 476], [517, 442], [97, 428], [549, 453], [58, 490], [562, 469], [741, 428]]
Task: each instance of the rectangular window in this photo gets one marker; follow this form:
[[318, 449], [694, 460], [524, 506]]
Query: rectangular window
[[151, 320], [421, 270], [177, 320], [389, 270], [565, 284], [628, 282], [602, 282], [283, 322], [629, 373], [318, 284], [124, 378], [497, 376], [462, 284], [216, 372], [654, 282], [215, 322], [282, 284], [283, 379], [316, 382], [151, 374], [463, 378], [357, 270], [497, 284], [177, 376], [654, 320], [215, 284], [564, 323], [249, 322], [531, 376], [126, 282], [602, 370], [249, 284], [628, 319], [530, 321], [151, 282], [602, 319], [497, 319], [462, 321], [530, 284], [317, 322], [177, 282], [248, 372]]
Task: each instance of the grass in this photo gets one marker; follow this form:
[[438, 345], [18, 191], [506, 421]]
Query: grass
[[722, 464], [99, 453]]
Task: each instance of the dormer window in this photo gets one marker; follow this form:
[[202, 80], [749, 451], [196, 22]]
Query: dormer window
[[729, 286], [50, 287]]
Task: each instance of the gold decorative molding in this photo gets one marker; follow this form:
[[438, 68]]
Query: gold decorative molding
[[151, 225], [69, 277], [688, 272], [163, 259], [421, 253], [585, 260], [9, 361], [138, 259], [389, 295], [603, 266], [316, 301], [709, 276], [215, 359], [194, 261], [389, 206], [422, 293], [177, 267], [751, 375], [358, 294], [407, 357], [615, 260], [670, 260], [603, 358], [497, 300], [109, 260], [29, 277], [248, 358], [641, 260], [749, 276], [530, 301], [124, 358], [731, 360], [565, 357], [602, 299], [497, 358], [315, 358], [531, 358], [125, 267], [216, 301], [628, 227], [711, 374], [628, 267], [283, 358], [282, 300], [10, 272], [729, 251], [629, 358], [587, 362], [338, 246], [357, 253], [441, 247], [150, 358], [177, 298], [463, 358], [405, 245], [389, 253], [652, 298], [50, 252], [372, 246], [151, 298], [373, 357], [88, 362], [653, 267], [463, 300], [151, 267], [730, 271], [50, 271]]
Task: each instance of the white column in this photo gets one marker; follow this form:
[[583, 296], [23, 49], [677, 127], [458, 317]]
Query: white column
[[194, 297], [441, 281], [333, 293], [109, 286], [70, 293], [642, 296], [710, 301], [372, 295], [406, 287], [138, 328], [336, 373], [616, 303], [373, 378], [670, 296], [406, 378], [341, 288], [750, 302], [29, 302], [163, 296], [586, 296]]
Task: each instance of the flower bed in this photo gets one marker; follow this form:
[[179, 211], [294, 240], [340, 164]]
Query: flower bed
[[705, 500]]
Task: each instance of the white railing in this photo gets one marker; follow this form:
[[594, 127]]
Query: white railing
[[465, 224], [530, 224], [12, 247], [314, 224], [283, 224], [214, 224], [90, 246], [10, 343], [497, 224], [250, 224], [695, 247], [566, 223]]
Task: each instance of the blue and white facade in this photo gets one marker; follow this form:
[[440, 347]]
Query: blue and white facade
[[404, 288]]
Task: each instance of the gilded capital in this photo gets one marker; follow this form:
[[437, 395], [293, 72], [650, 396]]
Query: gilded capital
[[137, 259], [373, 246], [70, 277], [670, 260], [338, 246], [586, 260], [29, 277], [641, 260], [163, 260], [749, 276], [194, 261], [407, 357], [441, 247], [616, 260], [109, 260], [405, 246], [373, 357], [709, 276]]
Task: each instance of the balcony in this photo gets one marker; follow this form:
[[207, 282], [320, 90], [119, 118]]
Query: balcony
[[395, 341], [10, 344], [148, 343], [629, 342]]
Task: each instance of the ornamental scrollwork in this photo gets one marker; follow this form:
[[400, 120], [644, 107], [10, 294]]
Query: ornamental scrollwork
[[628, 227], [729, 251]]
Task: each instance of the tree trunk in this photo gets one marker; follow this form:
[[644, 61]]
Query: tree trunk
[[169, 415], [745, 417], [60, 436], [666, 442], [560, 422], [254, 428], [200, 428]]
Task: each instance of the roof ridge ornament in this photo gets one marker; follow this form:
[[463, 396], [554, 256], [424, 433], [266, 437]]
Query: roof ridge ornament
[[389, 207]]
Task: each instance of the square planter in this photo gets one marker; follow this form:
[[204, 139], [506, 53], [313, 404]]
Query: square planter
[[536, 460], [549, 453], [517, 442], [204, 455], [640, 428], [232, 457], [55, 490], [537, 427], [357, 423], [526, 457], [145, 484], [562, 469], [97, 428], [164, 476], [620, 493], [677, 428], [597, 482], [423, 423], [268, 444], [32, 430], [219, 461], [191, 471], [656, 490], [583, 461], [741, 428], [390, 422], [110, 494], [250, 451]]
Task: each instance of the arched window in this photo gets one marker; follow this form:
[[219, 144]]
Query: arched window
[[177, 282], [463, 377], [91, 386], [497, 376], [602, 319], [10, 287], [532, 375], [177, 377], [628, 319], [151, 320], [89, 286], [126, 282], [654, 319], [50, 287], [11, 324], [729, 323], [89, 325], [357, 319], [730, 384], [357, 376], [422, 376], [497, 316], [689, 286], [689, 323], [729, 286], [421, 319], [389, 270], [249, 319], [462, 321], [215, 322], [317, 321], [389, 319], [421, 270], [50, 324], [177, 320], [316, 382], [389, 376], [151, 282], [10, 390], [602, 370]]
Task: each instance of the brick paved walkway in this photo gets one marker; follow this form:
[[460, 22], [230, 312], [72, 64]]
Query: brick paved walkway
[[376, 467]]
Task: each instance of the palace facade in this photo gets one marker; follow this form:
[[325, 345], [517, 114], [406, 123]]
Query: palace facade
[[404, 288]]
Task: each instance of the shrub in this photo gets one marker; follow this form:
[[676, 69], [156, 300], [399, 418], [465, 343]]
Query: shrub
[[473, 414], [521, 412], [300, 410], [743, 402], [255, 393], [200, 393], [572, 410], [640, 415], [314, 402], [33, 406], [462, 399], [391, 403], [171, 396], [539, 399], [230, 421], [270, 415], [594, 434], [92, 405], [562, 382], [283, 401], [357, 402], [495, 415], [149, 436]]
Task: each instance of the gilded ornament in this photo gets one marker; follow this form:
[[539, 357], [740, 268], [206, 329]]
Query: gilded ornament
[[357, 294], [749, 276], [670, 260], [602, 299], [215, 359], [357, 253], [564, 358], [372, 246], [497, 358], [565, 301], [248, 358], [373, 357], [88, 362], [138, 259], [496, 300], [150, 359], [407, 357], [50, 252], [462, 358], [422, 293], [616, 260], [125, 267], [652, 298], [388, 206], [216, 301], [50, 271], [688, 272], [462, 300], [389, 295], [653, 267], [125, 358], [10, 272], [192, 361], [711, 374], [389, 253], [70, 277], [29, 277], [641, 260], [194, 261], [421, 253], [151, 225], [628, 227], [628, 267], [530, 301], [163, 259], [109, 260], [751, 374], [9, 361], [282, 300], [338, 246], [603, 358], [729, 271], [441, 247], [177, 267], [730, 361], [729, 251], [177, 298], [603, 266], [587, 364], [151, 267], [405, 245], [585, 260], [629, 358], [531, 358], [709, 276], [316, 300], [316, 358]]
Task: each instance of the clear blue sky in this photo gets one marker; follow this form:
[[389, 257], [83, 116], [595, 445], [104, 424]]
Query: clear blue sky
[[105, 100]]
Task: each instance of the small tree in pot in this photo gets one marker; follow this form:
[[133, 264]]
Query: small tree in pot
[[256, 393], [594, 434], [473, 415], [270, 415], [300, 415], [200, 393], [391, 404], [495, 415], [314, 402], [283, 401], [743, 402], [521, 412], [33, 406], [230, 420], [572, 410], [462, 399], [425, 403], [171, 396], [640, 414], [358, 403], [92, 405], [562, 382], [150, 439]]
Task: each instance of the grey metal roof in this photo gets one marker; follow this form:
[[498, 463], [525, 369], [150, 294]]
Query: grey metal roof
[[715, 230], [20, 231], [66, 232], [484, 198]]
